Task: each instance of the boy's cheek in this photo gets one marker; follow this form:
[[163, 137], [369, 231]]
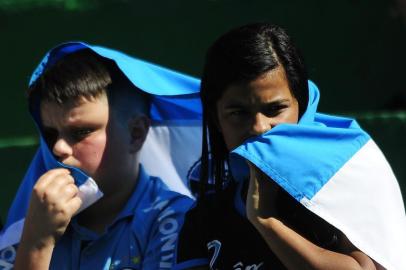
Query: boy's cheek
[[89, 153]]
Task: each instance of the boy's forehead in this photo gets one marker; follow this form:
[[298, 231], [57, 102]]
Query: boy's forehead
[[71, 112], [70, 103]]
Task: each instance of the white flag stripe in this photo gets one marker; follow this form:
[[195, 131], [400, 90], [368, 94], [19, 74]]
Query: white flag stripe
[[170, 151], [352, 202]]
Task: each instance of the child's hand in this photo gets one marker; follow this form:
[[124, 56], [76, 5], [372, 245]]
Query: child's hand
[[261, 197], [54, 201]]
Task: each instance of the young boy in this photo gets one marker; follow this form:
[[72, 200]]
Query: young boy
[[93, 118]]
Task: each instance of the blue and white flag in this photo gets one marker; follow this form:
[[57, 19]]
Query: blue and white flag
[[172, 145], [333, 168]]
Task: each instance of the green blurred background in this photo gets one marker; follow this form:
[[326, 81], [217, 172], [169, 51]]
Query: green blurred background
[[354, 49]]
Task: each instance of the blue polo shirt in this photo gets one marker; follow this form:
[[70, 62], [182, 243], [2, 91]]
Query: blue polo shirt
[[143, 236]]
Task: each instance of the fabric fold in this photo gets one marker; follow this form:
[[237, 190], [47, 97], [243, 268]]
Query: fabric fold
[[175, 113], [333, 168]]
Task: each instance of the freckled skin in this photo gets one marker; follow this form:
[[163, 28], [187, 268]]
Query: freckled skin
[[86, 135]]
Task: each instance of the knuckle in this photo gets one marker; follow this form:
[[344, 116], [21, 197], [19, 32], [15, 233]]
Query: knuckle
[[63, 212], [62, 179], [49, 196], [60, 170], [72, 189], [37, 190], [70, 178]]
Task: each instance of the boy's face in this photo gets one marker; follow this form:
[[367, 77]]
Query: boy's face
[[84, 134]]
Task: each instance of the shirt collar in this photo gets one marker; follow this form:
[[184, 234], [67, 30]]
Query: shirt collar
[[139, 191], [128, 210]]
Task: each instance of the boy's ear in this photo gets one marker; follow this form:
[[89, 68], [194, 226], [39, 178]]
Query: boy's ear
[[138, 127]]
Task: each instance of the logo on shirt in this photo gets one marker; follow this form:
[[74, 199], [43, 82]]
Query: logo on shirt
[[216, 246], [7, 258], [240, 266], [168, 228], [120, 265]]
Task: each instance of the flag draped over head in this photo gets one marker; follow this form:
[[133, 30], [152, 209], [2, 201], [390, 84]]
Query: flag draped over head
[[334, 169], [175, 114]]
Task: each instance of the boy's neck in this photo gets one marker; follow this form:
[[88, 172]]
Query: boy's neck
[[103, 213]]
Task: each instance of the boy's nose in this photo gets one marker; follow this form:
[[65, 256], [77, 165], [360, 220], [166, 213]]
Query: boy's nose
[[61, 149], [261, 124]]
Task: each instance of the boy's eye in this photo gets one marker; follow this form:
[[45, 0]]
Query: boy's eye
[[81, 133]]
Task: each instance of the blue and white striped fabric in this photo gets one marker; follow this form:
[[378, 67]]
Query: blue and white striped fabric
[[176, 127], [333, 168]]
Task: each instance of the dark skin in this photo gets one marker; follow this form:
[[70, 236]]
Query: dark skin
[[293, 250], [247, 110]]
